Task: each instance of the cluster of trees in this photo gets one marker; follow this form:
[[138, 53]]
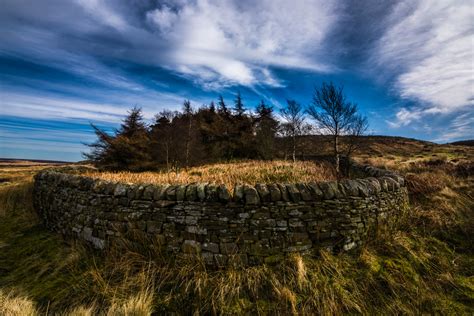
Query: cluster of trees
[[218, 132]]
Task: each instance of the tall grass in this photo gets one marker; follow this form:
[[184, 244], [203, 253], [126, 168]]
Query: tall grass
[[230, 174], [424, 266]]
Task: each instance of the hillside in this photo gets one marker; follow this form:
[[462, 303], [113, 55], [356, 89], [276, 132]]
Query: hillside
[[469, 142], [423, 266]]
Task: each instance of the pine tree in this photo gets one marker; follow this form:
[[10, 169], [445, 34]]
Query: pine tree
[[238, 105], [222, 107], [127, 149]]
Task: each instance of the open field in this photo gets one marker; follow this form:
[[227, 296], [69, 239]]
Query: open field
[[426, 266]]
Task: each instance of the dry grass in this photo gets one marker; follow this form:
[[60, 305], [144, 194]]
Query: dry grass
[[425, 267], [14, 305], [230, 174]]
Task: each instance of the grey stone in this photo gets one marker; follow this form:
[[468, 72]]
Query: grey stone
[[211, 247], [304, 192], [160, 192], [191, 192], [293, 192], [223, 193], [315, 191], [201, 191], [239, 193], [148, 192], [191, 247], [263, 192], [328, 190], [171, 192], [212, 194], [120, 190], [180, 192], [251, 195], [275, 194]]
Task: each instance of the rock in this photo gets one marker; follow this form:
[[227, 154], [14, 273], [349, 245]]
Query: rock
[[148, 192], [211, 247], [263, 192], [223, 193], [251, 195], [284, 192], [275, 194], [239, 193], [171, 193], [293, 192], [229, 248], [191, 192], [316, 192], [328, 190], [201, 191], [191, 247], [350, 187], [160, 192], [120, 190], [304, 191], [180, 192], [212, 194]]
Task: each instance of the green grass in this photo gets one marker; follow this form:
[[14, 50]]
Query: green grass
[[425, 265]]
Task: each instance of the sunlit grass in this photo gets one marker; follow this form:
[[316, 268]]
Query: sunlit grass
[[230, 174], [423, 267]]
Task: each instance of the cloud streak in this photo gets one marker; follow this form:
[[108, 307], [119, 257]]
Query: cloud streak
[[428, 46]]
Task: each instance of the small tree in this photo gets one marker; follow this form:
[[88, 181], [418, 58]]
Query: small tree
[[126, 149], [335, 115], [294, 116], [266, 129]]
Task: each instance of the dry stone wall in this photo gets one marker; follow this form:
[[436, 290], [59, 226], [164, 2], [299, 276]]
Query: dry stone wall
[[256, 224]]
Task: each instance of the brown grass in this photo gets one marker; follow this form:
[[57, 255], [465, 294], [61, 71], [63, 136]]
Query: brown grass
[[230, 174], [423, 267]]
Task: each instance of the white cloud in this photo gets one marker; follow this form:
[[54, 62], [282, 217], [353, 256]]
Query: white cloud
[[405, 117], [429, 45], [461, 127], [232, 42]]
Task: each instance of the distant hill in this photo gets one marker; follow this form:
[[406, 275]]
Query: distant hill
[[468, 142], [13, 160], [374, 145]]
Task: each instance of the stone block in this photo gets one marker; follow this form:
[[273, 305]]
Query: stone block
[[251, 195], [180, 192], [223, 193], [263, 192], [275, 194], [191, 192], [191, 247]]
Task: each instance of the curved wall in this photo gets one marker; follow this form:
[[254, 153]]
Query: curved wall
[[257, 224]]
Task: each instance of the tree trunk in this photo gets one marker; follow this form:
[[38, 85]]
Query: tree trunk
[[336, 155], [294, 149], [188, 141]]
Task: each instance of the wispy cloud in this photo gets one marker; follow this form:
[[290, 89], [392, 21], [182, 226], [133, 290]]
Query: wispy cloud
[[221, 43], [428, 45]]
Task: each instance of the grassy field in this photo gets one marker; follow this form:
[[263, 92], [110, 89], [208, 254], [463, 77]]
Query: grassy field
[[425, 266], [230, 174]]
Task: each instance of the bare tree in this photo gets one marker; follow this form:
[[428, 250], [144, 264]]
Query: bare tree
[[294, 116], [358, 128], [335, 115]]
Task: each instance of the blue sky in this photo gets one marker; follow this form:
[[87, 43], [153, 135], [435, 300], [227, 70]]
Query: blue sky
[[64, 64]]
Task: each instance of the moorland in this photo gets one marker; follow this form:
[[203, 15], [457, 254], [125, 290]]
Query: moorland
[[424, 266]]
